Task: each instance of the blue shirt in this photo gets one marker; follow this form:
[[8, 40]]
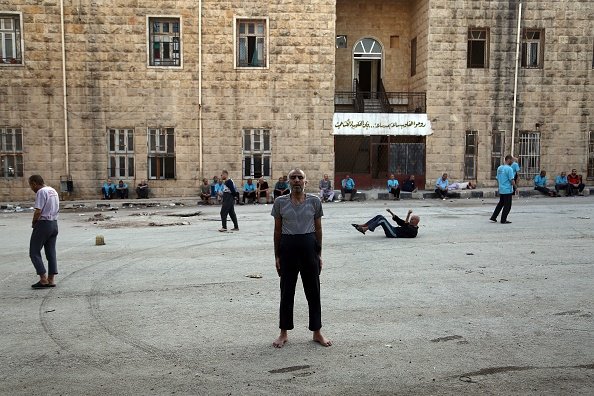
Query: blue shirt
[[515, 167], [392, 183], [249, 187], [561, 180], [505, 175], [348, 184], [219, 187], [540, 181], [442, 184]]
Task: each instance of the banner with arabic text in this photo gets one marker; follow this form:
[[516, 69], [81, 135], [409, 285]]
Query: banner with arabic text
[[381, 124]]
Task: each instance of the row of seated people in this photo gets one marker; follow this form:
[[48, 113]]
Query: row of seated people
[[252, 192], [110, 190], [572, 184]]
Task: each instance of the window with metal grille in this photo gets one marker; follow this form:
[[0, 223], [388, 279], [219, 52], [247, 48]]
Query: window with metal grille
[[161, 153], [413, 56], [120, 145], [470, 151], [164, 41], [11, 152], [532, 46], [529, 154], [256, 153], [478, 48], [497, 154], [10, 39], [251, 45], [591, 155]]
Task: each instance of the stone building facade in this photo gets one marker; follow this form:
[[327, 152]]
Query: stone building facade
[[173, 91]]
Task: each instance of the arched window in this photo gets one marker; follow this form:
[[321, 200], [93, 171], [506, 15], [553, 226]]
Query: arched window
[[367, 48]]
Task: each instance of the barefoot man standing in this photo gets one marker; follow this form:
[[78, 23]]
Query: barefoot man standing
[[298, 250]]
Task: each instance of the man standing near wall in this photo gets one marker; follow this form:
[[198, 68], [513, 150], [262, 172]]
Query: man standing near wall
[[505, 178], [298, 249], [45, 231], [228, 207]]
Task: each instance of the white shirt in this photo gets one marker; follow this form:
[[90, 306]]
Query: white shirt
[[47, 200]]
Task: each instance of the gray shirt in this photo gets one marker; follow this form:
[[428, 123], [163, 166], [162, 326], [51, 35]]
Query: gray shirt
[[297, 219]]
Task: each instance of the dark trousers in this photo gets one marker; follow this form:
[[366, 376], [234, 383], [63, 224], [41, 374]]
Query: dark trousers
[[142, 192], [44, 236], [543, 190], [108, 192], [299, 255], [574, 190], [505, 203], [381, 221], [249, 195], [562, 186], [395, 191], [345, 191], [441, 193], [122, 193], [228, 208]]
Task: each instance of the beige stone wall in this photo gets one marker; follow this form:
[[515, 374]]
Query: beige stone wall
[[557, 96], [377, 19]]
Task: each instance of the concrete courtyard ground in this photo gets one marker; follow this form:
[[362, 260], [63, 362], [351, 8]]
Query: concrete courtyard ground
[[167, 305]]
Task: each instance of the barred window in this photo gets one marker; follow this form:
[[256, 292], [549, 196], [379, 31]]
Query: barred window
[[529, 157], [161, 153], [164, 41], [251, 45], [10, 39], [478, 48], [11, 152], [470, 151], [121, 153], [256, 153], [497, 147]]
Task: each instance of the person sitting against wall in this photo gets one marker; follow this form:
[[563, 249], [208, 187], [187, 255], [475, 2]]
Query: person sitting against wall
[[108, 189], [561, 183], [540, 184], [263, 190], [219, 189], [205, 192], [394, 187], [348, 187], [576, 186], [409, 185], [441, 186], [326, 191], [469, 185], [142, 190], [281, 188], [122, 190], [249, 191]]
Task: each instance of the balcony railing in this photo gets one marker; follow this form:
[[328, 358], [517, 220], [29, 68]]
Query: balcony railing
[[391, 102]]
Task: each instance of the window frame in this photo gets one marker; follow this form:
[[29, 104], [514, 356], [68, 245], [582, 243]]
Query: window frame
[[413, 57], [13, 156], [470, 40], [18, 41], [470, 156], [253, 152], [162, 153], [237, 38], [527, 48], [115, 156], [497, 156], [529, 137], [150, 61], [590, 163]]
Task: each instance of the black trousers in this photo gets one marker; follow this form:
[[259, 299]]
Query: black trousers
[[299, 255], [228, 208], [395, 191], [441, 193], [505, 203]]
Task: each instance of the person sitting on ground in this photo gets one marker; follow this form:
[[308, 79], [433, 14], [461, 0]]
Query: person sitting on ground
[[540, 184], [469, 185], [406, 228], [219, 189], [122, 190], [409, 185], [394, 187], [326, 191], [108, 189], [281, 188], [441, 186], [561, 183], [142, 190], [249, 191], [205, 192], [575, 183], [262, 190], [348, 187]]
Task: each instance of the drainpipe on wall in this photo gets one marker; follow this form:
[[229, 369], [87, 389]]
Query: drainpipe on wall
[[200, 85], [513, 131], [65, 99]]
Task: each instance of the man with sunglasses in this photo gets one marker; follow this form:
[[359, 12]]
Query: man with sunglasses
[[298, 250]]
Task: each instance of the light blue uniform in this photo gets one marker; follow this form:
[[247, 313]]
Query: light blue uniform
[[515, 167], [392, 184], [505, 175], [561, 180], [540, 181], [442, 184]]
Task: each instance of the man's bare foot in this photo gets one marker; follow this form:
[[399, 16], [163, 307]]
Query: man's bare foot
[[319, 338], [281, 340]]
